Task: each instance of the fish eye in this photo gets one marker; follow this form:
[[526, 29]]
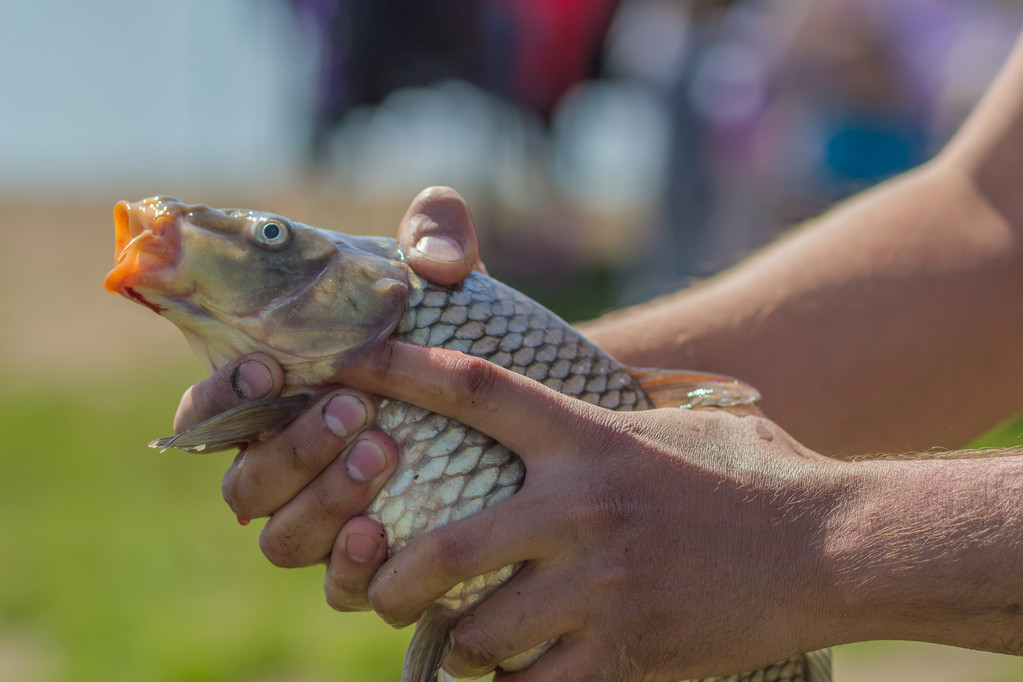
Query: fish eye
[[272, 233]]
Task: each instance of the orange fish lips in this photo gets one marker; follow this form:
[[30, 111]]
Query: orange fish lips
[[147, 244]]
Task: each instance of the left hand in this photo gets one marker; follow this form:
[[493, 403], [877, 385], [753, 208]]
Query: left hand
[[654, 541], [314, 477]]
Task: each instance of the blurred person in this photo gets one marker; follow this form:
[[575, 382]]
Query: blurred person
[[781, 109], [528, 51], [776, 110], [656, 541]]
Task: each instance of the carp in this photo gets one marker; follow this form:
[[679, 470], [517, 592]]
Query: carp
[[236, 281]]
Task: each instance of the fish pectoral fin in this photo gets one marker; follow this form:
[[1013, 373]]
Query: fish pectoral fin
[[686, 389], [430, 645], [243, 424]]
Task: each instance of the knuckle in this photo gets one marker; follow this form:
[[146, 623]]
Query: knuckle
[[341, 595], [609, 578], [230, 488], [302, 449], [307, 445], [394, 611], [475, 650], [599, 514], [476, 379], [378, 600], [451, 552], [611, 507], [302, 456], [278, 550], [330, 503], [610, 503], [609, 431], [380, 361]]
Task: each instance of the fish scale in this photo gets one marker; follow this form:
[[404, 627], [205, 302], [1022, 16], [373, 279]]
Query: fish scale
[[446, 470]]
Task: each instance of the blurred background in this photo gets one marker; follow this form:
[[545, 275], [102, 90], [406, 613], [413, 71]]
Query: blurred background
[[611, 150]]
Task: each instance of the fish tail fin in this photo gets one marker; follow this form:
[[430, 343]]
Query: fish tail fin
[[430, 645], [818, 666]]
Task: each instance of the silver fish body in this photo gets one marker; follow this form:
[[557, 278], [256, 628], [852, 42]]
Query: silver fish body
[[447, 470], [238, 281]]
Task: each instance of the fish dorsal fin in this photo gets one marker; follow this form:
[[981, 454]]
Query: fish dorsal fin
[[688, 389]]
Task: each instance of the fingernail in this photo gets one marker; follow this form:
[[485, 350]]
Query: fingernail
[[365, 460], [251, 380], [344, 415], [361, 548], [443, 249]]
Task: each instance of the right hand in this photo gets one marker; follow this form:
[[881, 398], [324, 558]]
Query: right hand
[[314, 477], [651, 541]]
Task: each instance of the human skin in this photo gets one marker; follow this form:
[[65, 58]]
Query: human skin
[[656, 540], [879, 328]]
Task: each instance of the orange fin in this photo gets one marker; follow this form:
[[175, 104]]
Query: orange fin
[[685, 389]]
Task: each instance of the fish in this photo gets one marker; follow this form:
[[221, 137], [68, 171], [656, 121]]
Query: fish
[[236, 281]]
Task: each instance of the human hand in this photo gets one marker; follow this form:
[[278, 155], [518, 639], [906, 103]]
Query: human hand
[[439, 238], [653, 540], [311, 478], [318, 473]]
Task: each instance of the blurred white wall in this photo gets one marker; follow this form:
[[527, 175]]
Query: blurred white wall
[[144, 93]]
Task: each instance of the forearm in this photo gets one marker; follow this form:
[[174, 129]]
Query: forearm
[[863, 330], [890, 323], [931, 551]]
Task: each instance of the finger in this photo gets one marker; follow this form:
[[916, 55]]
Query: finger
[[439, 238], [269, 473], [359, 549], [427, 568], [494, 400], [303, 531], [252, 376], [538, 605]]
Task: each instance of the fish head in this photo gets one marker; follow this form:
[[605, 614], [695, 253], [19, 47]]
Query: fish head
[[236, 281]]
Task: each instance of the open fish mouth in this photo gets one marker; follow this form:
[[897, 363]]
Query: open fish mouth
[[147, 241]]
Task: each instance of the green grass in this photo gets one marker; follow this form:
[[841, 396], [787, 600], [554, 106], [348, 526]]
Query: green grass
[[119, 563], [1006, 435]]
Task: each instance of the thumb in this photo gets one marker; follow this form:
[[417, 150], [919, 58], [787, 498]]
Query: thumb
[[247, 378], [439, 238]]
